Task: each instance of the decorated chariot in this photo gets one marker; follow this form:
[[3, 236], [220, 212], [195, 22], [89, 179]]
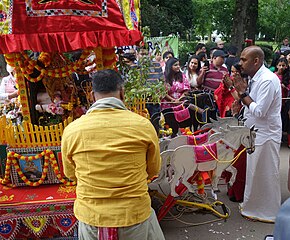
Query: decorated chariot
[[53, 45]]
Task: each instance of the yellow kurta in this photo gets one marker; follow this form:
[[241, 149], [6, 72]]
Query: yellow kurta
[[111, 153]]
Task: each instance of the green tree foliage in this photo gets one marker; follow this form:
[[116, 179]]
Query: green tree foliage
[[137, 85], [167, 16], [201, 17], [274, 21], [223, 17], [213, 15]]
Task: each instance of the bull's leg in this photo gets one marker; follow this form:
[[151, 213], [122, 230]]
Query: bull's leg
[[185, 182], [233, 171], [174, 183], [217, 173], [178, 172], [214, 181], [170, 173]]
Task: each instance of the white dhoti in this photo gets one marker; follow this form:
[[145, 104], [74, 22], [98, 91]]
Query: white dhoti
[[262, 197]]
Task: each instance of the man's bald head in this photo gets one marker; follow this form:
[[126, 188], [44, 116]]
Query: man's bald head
[[252, 58], [255, 52]]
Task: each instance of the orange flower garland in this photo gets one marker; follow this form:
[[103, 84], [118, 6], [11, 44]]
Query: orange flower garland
[[49, 158], [28, 65], [200, 184], [45, 58], [104, 58]]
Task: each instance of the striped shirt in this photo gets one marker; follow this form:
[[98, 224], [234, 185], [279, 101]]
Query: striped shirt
[[214, 77]]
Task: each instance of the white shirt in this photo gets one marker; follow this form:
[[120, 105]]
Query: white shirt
[[4, 82], [3, 94], [264, 111], [192, 80]]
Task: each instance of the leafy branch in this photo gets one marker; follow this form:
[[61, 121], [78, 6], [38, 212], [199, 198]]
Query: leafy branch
[[137, 85]]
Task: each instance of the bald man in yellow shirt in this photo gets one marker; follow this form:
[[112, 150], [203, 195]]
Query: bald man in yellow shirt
[[111, 152]]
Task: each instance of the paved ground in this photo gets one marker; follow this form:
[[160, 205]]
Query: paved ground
[[234, 228]]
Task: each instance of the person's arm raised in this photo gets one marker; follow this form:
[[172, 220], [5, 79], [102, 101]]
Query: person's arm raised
[[201, 75]]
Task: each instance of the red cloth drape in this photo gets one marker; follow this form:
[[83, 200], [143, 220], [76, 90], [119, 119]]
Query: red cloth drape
[[63, 26]]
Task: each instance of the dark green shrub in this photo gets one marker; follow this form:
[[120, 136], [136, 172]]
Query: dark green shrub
[[268, 51], [184, 49]]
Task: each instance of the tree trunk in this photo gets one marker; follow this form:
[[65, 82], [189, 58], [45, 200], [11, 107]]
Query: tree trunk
[[244, 22], [252, 20]]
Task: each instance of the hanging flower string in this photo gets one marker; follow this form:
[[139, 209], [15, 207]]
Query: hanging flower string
[[28, 65], [49, 159]]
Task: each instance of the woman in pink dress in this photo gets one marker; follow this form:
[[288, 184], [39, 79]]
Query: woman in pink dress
[[176, 83]]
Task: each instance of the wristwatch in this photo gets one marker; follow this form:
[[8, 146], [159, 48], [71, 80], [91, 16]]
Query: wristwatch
[[243, 95]]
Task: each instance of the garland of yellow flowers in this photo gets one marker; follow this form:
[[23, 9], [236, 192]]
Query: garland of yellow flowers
[[49, 158], [28, 65]]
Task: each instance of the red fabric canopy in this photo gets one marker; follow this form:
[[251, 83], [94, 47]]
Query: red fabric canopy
[[63, 26]]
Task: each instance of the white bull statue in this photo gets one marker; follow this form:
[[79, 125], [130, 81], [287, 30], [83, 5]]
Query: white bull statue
[[181, 140], [216, 156]]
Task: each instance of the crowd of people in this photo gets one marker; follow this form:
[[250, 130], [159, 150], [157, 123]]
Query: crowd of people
[[216, 73]]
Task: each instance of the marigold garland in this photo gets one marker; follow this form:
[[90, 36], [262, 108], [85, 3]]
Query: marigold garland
[[49, 158], [200, 184], [45, 58], [28, 65]]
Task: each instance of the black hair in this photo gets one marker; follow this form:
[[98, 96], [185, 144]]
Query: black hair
[[107, 81], [285, 74], [130, 56], [201, 55], [213, 48], [198, 65], [232, 50], [238, 67], [171, 76], [76, 55], [165, 54], [199, 46]]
